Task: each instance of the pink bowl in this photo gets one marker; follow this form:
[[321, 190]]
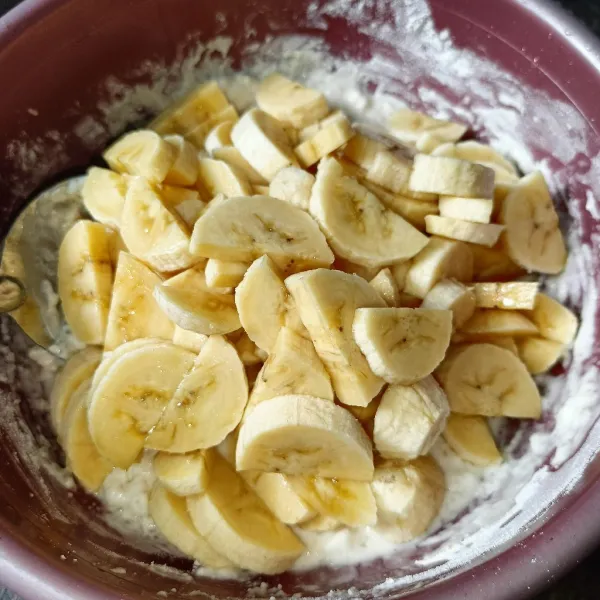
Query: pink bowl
[[64, 62]]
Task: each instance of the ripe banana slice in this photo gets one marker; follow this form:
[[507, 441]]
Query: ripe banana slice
[[326, 301], [243, 229], [103, 195], [187, 300], [302, 435], [451, 295], [182, 474], [321, 523], [350, 502], [533, 238], [224, 273], [481, 154], [85, 279], [389, 171], [190, 340], [151, 231], [493, 265], [368, 273], [503, 341], [553, 320], [465, 231], [402, 345], [290, 102], [358, 226], [483, 379], [142, 152], [440, 259], [170, 515], [451, 177], [486, 322], [219, 137], [385, 283], [540, 355], [516, 295], [233, 520], [477, 210], [293, 368], [232, 156], [250, 354], [409, 496], [292, 185], [129, 400], [220, 177], [184, 171], [325, 141], [410, 419], [263, 142], [208, 403], [409, 126], [399, 271], [184, 203], [470, 437]]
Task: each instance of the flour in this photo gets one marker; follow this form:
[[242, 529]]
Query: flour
[[485, 509]]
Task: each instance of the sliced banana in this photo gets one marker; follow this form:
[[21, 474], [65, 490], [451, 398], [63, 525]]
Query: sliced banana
[[465, 231], [410, 419], [290, 102], [493, 265], [402, 345], [207, 405], [85, 279], [219, 137], [103, 195], [220, 177], [409, 126], [232, 156], [325, 141], [326, 301], [540, 354], [184, 170], [399, 271], [553, 320], [302, 435], [293, 185], [503, 341], [477, 210], [440, 259], [185, 203], [187, 300], [182, 474], [367, 273], [223, 273], [390, 171], [483, 379], [234, 521], [452, 295], [243, 229], [321, 523], [486, 322], [470, 437], [385, 283], [358, 226], [533, 238], [515, 295], [482, 154], [127, 403], [190, 340], [250, 354]]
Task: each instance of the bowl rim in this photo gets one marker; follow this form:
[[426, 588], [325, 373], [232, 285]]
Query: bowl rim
[[557, 545]]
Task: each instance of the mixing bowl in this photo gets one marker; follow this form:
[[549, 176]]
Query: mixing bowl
[[521, 73]]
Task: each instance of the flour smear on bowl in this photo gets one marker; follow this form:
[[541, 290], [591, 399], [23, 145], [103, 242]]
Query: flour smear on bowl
[[486, 508]]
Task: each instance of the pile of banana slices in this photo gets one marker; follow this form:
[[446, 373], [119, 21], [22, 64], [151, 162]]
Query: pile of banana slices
[[290, 312]]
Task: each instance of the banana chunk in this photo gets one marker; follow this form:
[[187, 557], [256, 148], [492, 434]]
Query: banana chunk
[[410, 419], [409, 497], [219, 137], [358, 226], [465, 231], [250, 354], [232, 156], [483, 379], [539, 354], [493, 265], [292, 185], [389, 171], [302, 435], [409, 126], [290, 102], [185, 203], [224, 273], [325, 141], [470, 437], [207, 405], [103, 195], [220, 177], [385, 283], [182, 474], [477, 210], [85, 279], [402, 345], [170, 515], [533, 238], [516, 295], [451, 295], [553, 320], [321, 523], [451, 177], [486, 322], [190, 340], [243, 229], [327, 301], [184, 170], [234, 521], [127, 403]]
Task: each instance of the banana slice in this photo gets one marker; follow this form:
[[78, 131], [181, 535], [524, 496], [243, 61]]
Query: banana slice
[[428, 142], [103, 195], [481, 154], [182, 474], [409, 126], [477, 210], [483, 379], [250, 354], [451, 295], [219, 137], [220, 177], [465, 231], [486, 322], [540, 354], [293, 368], [410, 419], [399, 272], [129, 400], [170, 515], [533, 238], [208, 403], [328, 441], [187, 300], [321, 523], [292, 185], [440, 259], [451, 177], [357, 225], [290, 102], [470, 437], [402, 345], [389, 171], [232, 156], [151, 231], [326, 301], [184, 170], [493, 265], [190, 340], [263, 142], [243, 229], [325, 141], [197, 135], [77, 370], [185, 203], [553, 320], [385, 283], [233, 520], [349, 502], [515, 295], [408, 496], [223, 273], [85, 280], [366, 414], [503, 341]]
